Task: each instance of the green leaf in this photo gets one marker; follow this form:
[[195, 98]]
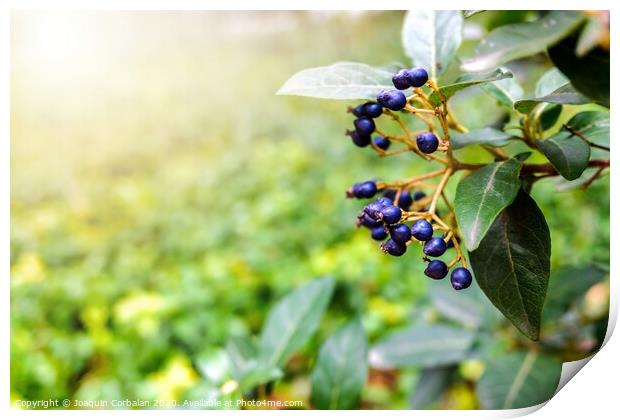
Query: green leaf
[[339, 81], [548, 115], [241, 351], [518, 380], [593, 125], [468, 307], [489, 136], [566, 286], [511, 263], [214, 365], [431, 37], [466, 81], [589, 74], [506, 91], [482, 195], [568, 154], [565, 94], [293, 320], [341, 369], [431, 386], [256, 373], [549, 82], [518, 40], [469, 13], [426, 346]]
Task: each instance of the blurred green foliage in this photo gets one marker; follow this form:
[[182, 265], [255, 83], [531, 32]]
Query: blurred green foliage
[[162, 198]]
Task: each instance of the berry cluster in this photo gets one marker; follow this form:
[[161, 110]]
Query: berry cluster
[[386, 217]]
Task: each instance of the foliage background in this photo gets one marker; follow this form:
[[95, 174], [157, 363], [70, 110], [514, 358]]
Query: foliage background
[[163, 198]]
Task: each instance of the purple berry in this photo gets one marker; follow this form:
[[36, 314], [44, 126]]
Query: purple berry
[[394, 248], [363, 190], [418, 195], [405, 200], [358, 139], [382, 143], [401, 80], [364, 126], [378, 233], [390, 214], [400, 233], [460, 278], [392, 99], [422, 230], [427, 142], [436, 269], [372, 109], [417, 77], [435, 247]]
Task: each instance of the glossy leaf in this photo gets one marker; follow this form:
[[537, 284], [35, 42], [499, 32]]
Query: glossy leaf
[[568, 154], [489, 136], [511, 263], [341, 369], [518, 380], [518, 40], [466, 81], [565, 94], [339, 81], [482, 195], [506, 91], [589, 74], [431, 386], [426, 346], [549, 82], [293, 320], [593, 125], [548, 115], [431, 38]]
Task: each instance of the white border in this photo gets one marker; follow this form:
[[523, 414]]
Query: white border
[[592, 394]]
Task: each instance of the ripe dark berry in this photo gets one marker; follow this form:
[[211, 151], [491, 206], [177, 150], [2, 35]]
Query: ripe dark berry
[[378, 233], [358, 111], [422, 230], [368, 221], [363, 190], [391, 194], [394, 248], [400, 233], [435, 247], [427, 142], [372, 109], [360, 140], [382, 143], [460, 278], [417, 77], [400, 80], [418, 195], [384, 201], [364, 126], [436, 269], [405, 200], [390, 214], [392, 99], [372, 209]]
